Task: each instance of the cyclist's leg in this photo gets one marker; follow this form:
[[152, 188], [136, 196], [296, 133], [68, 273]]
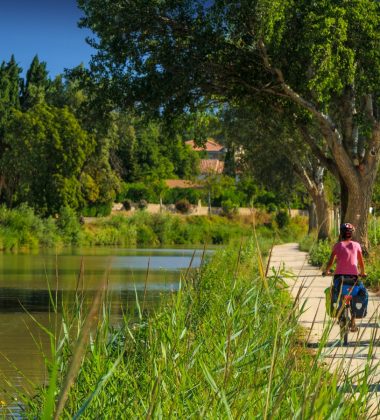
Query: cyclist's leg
[[353, 327]]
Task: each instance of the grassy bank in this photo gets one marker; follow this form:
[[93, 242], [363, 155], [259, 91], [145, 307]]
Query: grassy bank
[[227, 345], [21, 229]]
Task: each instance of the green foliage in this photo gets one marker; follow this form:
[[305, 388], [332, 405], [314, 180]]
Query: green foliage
[[68, 226], [45, 155], [320, 253], [97, 210], [137, 191], [10, 82], [228, 330], [191, 194], [307, 243], [282, 218], [127, 204], [183, 206], [229, 208], [142, 204], [315, 62], [36, 84], [145, 149], [21, 228]]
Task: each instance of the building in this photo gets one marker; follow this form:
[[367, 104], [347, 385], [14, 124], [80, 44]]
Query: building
[[214, 154]]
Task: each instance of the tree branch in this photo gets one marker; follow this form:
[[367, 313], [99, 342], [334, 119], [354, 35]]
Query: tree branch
[[329, 164]]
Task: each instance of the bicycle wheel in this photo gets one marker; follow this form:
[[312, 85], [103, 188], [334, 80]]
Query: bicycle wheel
[[344, 324], [347, 317]]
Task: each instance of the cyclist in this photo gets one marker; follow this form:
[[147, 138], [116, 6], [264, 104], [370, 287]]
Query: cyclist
[[349, 257]]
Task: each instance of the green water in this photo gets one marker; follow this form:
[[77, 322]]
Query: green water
[[24, 293]]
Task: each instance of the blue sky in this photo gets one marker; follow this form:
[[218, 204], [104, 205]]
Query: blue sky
[[47, 28]]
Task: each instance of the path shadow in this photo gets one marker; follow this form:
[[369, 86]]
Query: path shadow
[[372, 388], [352, 344]]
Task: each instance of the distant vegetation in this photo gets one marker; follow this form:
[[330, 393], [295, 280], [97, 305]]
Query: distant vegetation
[[22, 229], [61, 146]]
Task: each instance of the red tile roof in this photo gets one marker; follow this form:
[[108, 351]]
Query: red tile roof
[[211, 166], [210, 146]]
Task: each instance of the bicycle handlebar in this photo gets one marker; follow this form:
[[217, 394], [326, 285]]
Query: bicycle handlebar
[[331, 273]]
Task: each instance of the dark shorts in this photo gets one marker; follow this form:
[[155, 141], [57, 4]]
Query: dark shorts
[[346, 279]]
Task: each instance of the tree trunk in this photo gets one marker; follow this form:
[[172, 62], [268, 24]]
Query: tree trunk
[[313, 181], [313, 224], [343, 199], [322, 209], [359, 202]]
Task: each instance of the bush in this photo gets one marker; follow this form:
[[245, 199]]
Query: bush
[[127, 204], [136, 192], [142, 205], [146, 236], [176, 194], [271, 207], [68, 225], [307, 243], [97, 210], [282, 218], [183, 206], [229, 207], [320, 253]]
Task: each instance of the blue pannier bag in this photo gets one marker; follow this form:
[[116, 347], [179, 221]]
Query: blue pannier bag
[[359, 302]]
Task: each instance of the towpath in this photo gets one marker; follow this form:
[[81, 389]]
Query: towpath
[[364, 346]]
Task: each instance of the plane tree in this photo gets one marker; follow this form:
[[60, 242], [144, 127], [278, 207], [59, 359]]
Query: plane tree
[[273, 151], [323, 57]]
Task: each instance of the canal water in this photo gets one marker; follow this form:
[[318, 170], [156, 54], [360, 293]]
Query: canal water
[[25, 304]]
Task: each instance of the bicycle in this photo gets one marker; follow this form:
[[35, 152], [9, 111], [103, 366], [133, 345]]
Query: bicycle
[[349, 288]]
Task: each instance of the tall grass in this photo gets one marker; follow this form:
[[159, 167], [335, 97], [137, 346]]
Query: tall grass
[[22, 229], [227, 345]]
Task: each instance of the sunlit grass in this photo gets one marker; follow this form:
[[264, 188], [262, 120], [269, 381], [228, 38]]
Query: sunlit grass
[[227, 345]]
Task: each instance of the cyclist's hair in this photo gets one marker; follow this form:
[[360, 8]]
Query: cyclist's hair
[[346, 230]]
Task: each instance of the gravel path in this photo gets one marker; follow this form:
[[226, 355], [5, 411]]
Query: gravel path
[[363, 349]]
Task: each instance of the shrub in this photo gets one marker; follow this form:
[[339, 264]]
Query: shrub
[[229, 207], [307, 243], [320, 253], [137, 191], [183, 206], [68, 225], [146, 236], [97, 210], [127, 204], [175, 194], [271, 207], [142, 205], [282, 218]]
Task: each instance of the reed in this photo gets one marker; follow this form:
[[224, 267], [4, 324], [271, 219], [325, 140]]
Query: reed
[[227, 345]]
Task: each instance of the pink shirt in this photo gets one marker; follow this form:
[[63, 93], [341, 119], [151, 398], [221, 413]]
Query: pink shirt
[[346, 253]]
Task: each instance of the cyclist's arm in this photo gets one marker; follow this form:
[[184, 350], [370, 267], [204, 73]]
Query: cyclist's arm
[[330, 262], [361, 264]]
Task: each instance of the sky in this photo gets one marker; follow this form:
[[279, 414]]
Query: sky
[[47, 28]]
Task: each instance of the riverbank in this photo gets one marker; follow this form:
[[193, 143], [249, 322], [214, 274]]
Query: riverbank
[[22, 230], [226, 345]]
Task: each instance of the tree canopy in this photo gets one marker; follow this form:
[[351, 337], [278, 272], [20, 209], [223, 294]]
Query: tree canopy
[[323, 58]]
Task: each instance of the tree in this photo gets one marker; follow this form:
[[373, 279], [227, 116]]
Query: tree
[[142, 148], [46, 151], [273, 151], [10, 82], [324, 57], [36, 84]]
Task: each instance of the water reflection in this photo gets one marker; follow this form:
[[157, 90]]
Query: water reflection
[[25, 281]]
